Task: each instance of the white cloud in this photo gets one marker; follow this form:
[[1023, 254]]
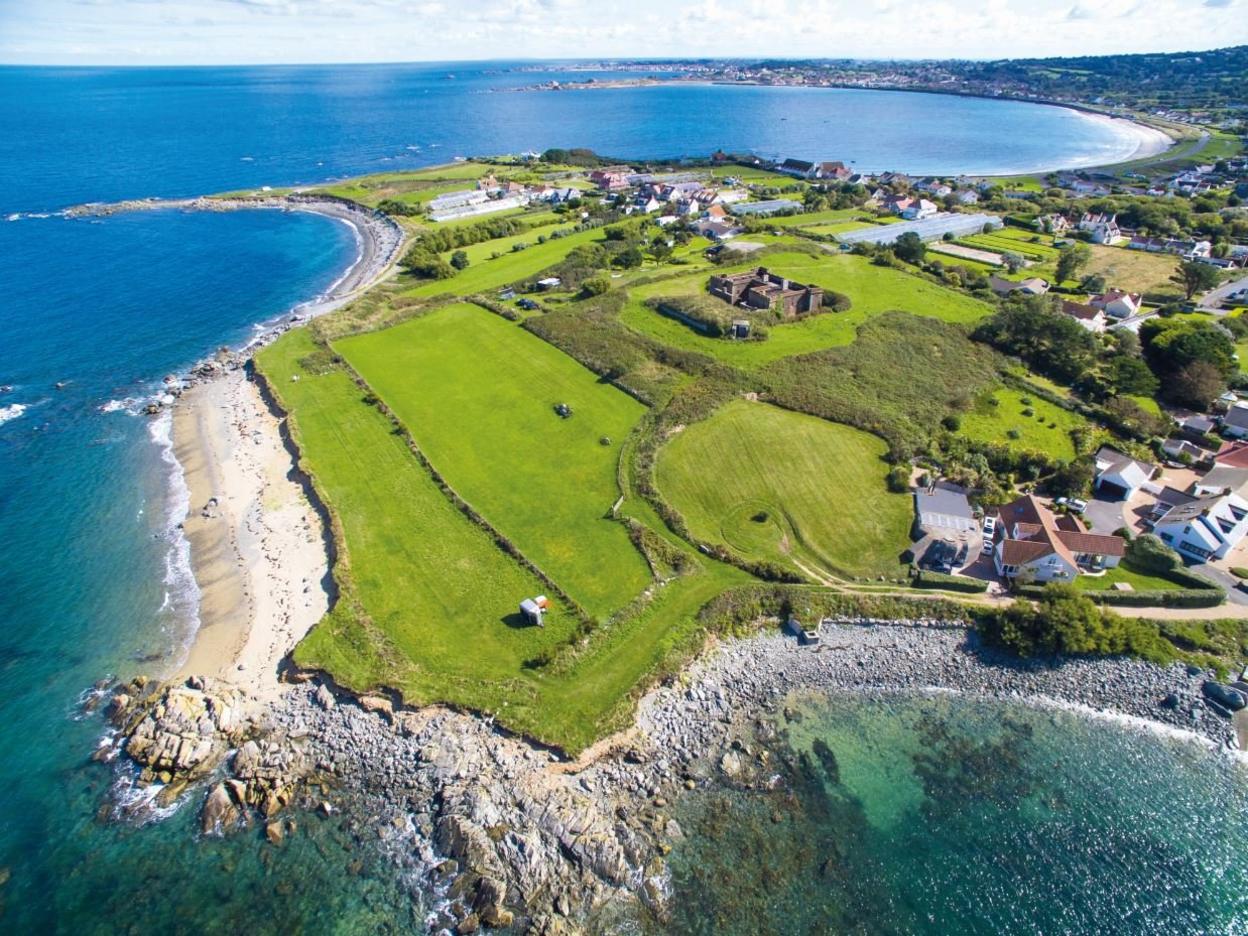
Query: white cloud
[[225, 31]]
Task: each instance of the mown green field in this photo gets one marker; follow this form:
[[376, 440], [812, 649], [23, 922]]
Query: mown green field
[[872, 290], [439, 595], [478, 394], [427, 598], [1046, 430], [787, 488]]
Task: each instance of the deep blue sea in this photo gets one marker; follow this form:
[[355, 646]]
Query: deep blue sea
[[92, 575]]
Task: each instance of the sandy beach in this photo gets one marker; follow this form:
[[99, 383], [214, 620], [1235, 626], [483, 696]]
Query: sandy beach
[[256, 542]]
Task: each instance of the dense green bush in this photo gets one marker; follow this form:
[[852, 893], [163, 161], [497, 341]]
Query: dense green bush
[[898, 380], [1065, 620], [926, 578]]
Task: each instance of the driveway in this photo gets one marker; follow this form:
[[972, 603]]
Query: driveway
[[1105, 515]]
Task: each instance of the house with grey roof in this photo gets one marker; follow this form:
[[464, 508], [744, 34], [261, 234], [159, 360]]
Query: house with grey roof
[[1119, 475], [1205, 528]]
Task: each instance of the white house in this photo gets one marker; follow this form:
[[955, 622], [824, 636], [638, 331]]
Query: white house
[[1206, 528], [919, 210], [1120, 475], [967, 197], [1090, 317], [1118, 303], [1103, 228], [1035, 544]]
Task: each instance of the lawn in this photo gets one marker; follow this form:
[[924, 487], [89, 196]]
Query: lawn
[[1134, 270], [994, 415], [872, 290], [1124, 573], [478, 394], [787, 488]]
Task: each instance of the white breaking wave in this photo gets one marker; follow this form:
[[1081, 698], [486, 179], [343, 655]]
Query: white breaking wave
[[182, 593], [128, 405], [12, 411]]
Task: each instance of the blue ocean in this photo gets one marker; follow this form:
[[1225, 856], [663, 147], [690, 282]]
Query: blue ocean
[[93, 574]]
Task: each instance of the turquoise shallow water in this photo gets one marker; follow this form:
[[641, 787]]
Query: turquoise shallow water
[[946, 815]]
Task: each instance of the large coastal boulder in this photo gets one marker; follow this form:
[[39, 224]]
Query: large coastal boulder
[[180, 732]]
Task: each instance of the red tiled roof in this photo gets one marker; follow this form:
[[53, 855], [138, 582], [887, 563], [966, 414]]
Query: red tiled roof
[[1094, 543], [1233, 455]]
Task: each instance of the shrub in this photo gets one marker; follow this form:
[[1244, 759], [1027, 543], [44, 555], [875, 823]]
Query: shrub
[[898, 479], [459, 260], [1239, 572], [929, 579], [1150, 555], [426, 265]]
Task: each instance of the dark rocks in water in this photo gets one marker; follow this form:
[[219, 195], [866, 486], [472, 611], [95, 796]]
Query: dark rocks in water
[[827, 760]]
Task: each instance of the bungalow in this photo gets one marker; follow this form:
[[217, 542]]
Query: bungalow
[[1220, 479], [798, 168], [1028, 287], [833, 171], [1117, 303], [1168, 499], [1103, 227], [933, 187], [918, 210], [1119, 475], [1181, 450], [967, 197], [1090, 317], [1054, 224], [1035, 544], [716, 229], [1235, 422], [898, 204], [1206, 528], [1197, 425]]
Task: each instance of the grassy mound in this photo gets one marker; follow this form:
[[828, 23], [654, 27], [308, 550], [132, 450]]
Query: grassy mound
[[787, 488]]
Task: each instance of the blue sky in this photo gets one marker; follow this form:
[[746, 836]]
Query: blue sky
[[138, 32]]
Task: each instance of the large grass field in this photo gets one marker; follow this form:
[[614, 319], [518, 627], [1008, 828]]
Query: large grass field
[[994, 415], [439, 594], [478, 394], [428, 600], [872, 290], [787, 488]]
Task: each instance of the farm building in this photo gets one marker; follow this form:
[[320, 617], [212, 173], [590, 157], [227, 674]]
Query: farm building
[[928, 229], [764, 208]]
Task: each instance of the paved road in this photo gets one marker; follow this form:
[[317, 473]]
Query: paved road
[[1226, 580], [1215, 296]]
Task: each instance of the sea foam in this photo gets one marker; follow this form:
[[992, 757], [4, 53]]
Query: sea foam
[[12, 411]]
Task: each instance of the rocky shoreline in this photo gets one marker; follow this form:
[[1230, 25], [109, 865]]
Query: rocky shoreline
[[506, 833]]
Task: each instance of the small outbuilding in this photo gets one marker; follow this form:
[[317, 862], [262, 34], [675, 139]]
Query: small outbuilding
[[534, 609]]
